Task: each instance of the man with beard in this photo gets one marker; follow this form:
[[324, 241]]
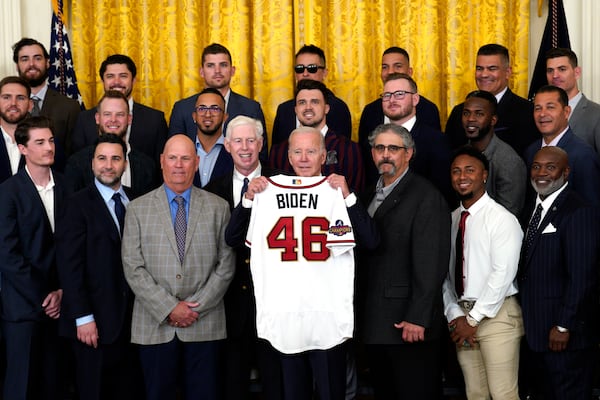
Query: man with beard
[[431, 158], [398, 295], [147, 131], [97, 303], [483, 314], [551, 114], [31, 205], [217, 70], [507, 176], [208, 116], [515, 125], [33, 61], [343, 155], [15, 105], [113, 117], [558, 280]]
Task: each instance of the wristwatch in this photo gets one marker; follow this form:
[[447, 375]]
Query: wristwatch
[[472, 321], [561, 329]]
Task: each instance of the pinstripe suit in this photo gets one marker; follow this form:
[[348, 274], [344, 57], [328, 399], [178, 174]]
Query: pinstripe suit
[[558, 282]]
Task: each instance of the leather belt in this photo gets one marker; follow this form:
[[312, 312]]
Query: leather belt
[[469, 304]]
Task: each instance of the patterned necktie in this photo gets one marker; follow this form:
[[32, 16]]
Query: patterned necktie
[[459, 275], [244, 188], [119, 210], [533, 227], [36, 106], [180, 226]]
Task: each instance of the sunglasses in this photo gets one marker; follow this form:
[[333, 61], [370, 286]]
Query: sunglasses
[[312, 68]]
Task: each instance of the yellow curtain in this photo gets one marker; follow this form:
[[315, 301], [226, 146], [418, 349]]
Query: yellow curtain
[[166, 37]]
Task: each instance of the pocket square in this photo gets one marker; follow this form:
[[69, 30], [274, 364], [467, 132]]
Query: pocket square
[[549, 229]]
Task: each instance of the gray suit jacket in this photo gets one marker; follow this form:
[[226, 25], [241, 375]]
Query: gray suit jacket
[[585, 122], [157, 278]]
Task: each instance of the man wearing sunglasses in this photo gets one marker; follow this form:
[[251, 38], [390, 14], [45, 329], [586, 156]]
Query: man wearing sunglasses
[[217, 70], [310, 64]]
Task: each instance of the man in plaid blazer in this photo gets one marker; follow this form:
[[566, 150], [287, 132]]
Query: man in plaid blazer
[[177, 263]]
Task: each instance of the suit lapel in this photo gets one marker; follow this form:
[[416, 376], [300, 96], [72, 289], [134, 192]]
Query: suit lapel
[[97, 203], [391, 201], [196, 206], [163, 212]]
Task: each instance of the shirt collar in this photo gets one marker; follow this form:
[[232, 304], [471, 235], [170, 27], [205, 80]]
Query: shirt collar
[[171, 194], [501, 94], [239, 176], [41, 94], [38, 187], [410, 123], [478, 205], [107, 192], [547, 202]]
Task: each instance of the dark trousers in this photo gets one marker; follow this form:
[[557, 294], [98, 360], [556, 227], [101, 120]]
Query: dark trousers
[[565, 375], [110, 371], [31, 360], [189, 367], [405, 371], [326, 369]]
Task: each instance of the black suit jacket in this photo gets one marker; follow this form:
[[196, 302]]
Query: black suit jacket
[[27, 247], [515, 123], [144, 172], [338, 119], [148, 131], [401, 279], [63, 112], [90, 269], [5, 168], [558, 276]]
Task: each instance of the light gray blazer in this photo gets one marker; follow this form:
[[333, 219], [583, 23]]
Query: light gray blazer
[[158, 279], [585, 122]]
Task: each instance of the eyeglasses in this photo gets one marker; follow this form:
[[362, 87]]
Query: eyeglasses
[[398, 95], [312, 68], [391, 148], [214, 110]]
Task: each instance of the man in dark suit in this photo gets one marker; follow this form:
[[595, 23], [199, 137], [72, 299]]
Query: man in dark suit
[[97, 302], [515, 124], [399, 283], [562, 71], [15, 105], [343, 155], [559, 281], [32, 61], [141, 173], [400, 102], [217, 70], [30, 203], [310, 64], [242, 347], [148, 130], [551, 114]]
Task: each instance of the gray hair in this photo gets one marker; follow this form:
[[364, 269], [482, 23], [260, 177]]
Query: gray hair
[[308, 129], [399, 130], [242, 120]]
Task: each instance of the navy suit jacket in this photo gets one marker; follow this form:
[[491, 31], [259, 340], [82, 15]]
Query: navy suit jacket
[[584, 177], [27, 247], [558, 276], [182, 121], [63, 112], [145, 174], [223, 166], [5, 169], [515, 124], [148, 131], [90, 271], [338, 119]]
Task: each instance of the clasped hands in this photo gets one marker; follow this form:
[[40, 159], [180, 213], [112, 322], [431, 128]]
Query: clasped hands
[[182, 315]]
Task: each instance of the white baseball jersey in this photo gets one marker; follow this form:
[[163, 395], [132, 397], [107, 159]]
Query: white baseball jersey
[[302, 264]]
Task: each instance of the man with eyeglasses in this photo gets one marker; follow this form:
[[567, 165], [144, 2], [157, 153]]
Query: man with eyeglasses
[[343, 155], [217, 70], [310, 64], [208, 116], [515, 123], [431, 160], [398, 294]]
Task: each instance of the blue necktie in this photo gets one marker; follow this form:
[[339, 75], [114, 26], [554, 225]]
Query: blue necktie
[[244, 188], [119, 211]]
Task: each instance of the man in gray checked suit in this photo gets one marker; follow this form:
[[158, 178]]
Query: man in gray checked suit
[[177, 263]]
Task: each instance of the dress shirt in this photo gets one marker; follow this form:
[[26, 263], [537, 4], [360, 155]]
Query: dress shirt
[[173, 205], [238, 182], [491, 252], [208, 160], [500, 94], [555, 141], [46, 195], [226, 97], [41, 95], [14, 155], [381, 192], [547, 202], [574, 101]]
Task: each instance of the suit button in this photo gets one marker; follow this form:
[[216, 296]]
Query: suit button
[[247, 261], [178, 276], [244, 287]]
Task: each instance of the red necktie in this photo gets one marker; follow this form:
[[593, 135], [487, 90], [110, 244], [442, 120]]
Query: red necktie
[[460, 257]]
